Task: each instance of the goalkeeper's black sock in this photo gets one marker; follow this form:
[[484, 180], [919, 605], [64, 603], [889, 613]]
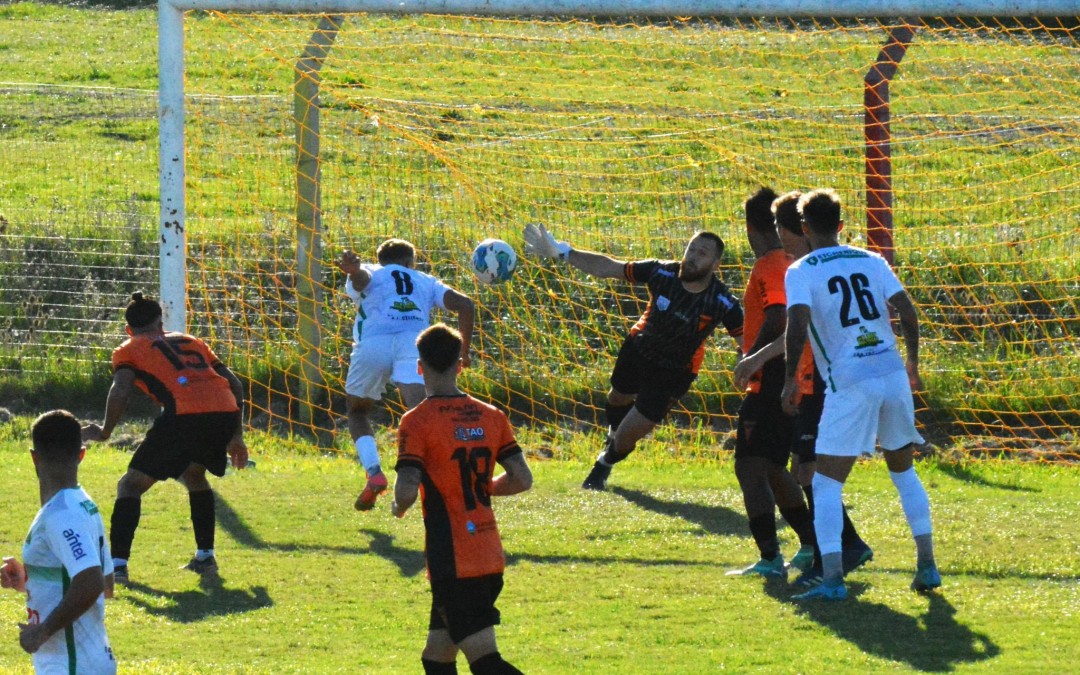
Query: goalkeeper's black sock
[[800, 520], [438, 667], [202, 517], [849, 536], [124, 522], [492, 664], [763, 529]]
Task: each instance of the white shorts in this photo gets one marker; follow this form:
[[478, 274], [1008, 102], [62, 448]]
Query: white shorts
[[380, 359], [877, 408]]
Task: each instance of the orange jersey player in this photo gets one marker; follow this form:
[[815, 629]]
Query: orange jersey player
[[199, 426], [448, 447]]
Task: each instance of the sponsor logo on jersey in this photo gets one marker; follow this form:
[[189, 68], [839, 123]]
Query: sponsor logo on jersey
[[867, 339], [662, 303], [75, 544], [89, 506], [469, 433], [405, 305]]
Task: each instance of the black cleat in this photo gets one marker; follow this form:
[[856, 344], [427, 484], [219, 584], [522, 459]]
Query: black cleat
[[597, 478]]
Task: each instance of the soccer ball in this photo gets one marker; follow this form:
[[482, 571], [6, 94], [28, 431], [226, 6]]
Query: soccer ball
[[493, 261]]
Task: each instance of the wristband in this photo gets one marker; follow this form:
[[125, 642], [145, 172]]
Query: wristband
[[564, 250]]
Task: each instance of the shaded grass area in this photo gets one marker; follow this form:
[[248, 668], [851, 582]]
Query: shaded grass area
[[601, 583]]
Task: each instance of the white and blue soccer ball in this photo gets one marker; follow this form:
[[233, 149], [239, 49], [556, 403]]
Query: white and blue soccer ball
[[493, 261]]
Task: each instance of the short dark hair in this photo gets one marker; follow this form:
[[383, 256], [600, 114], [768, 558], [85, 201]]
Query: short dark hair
[[714, 238], [820, 210], [440, 347], [141, 311], [786, 212], [394, 250], [759, 215], [57, 436]]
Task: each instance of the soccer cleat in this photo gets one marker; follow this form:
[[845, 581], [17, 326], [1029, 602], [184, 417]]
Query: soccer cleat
[[120, 575], [803, 559], [376, 485], [597, 478], [202, 567], [927, 578], [854, 557], [823, 591], [809, 578], [766, 568]]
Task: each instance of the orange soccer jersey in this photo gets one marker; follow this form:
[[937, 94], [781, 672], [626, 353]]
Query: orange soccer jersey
[[765, 288], [177, 371], [455, 441]]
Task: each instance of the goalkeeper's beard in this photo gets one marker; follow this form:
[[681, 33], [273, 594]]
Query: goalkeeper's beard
[[687, 274]]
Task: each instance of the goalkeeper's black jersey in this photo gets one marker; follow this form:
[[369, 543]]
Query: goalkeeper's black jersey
[[672, 331]]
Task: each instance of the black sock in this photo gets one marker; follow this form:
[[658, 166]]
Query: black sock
[[438, 667], [616, 414], [492, 664], [849, 536], [202, 517], [763, 529], [802, 521], [125, 520]]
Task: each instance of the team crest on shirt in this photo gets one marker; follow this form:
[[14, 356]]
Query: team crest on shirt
[[469, 433], [662, 303]]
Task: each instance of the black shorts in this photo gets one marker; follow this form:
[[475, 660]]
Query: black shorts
[[465, 606], [764, 429], [804, 437], [657, 389], [175, 441]]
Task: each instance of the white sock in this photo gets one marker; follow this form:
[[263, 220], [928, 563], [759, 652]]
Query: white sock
[[204, 553], [368, 454], [828, 524], [914, 501], [119, 562]]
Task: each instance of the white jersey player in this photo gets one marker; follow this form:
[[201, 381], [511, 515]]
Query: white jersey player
[[394, 302], [841, 295], [66, 567]]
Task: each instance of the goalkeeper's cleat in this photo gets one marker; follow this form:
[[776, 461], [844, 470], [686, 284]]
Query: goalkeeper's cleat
[[927, 578], [597, 478], [823, 591], [854, 557], [811, 577], [120, 575], [376, 485], [803, 559], [772, 569], [202, 567]]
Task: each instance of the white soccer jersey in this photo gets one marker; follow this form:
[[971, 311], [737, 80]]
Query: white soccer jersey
[[397, 299], [67, 537], [846, 289]]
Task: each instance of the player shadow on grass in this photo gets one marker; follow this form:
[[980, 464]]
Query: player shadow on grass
[[714, 520], [933, 642], [210, 599], [963, 474], [231, 522]]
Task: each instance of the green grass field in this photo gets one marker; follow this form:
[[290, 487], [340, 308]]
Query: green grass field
[[630, 581]]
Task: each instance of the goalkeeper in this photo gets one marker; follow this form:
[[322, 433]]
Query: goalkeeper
[[661, 355]]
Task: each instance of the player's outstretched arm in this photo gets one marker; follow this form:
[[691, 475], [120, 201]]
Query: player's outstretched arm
[[80, 596], [909, 329], [517, 477], [406, 490], [541, 243], [119, 393], [465, 308]]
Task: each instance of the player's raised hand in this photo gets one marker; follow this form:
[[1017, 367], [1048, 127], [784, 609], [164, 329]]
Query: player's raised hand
[[539, 242], [349, 262]]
